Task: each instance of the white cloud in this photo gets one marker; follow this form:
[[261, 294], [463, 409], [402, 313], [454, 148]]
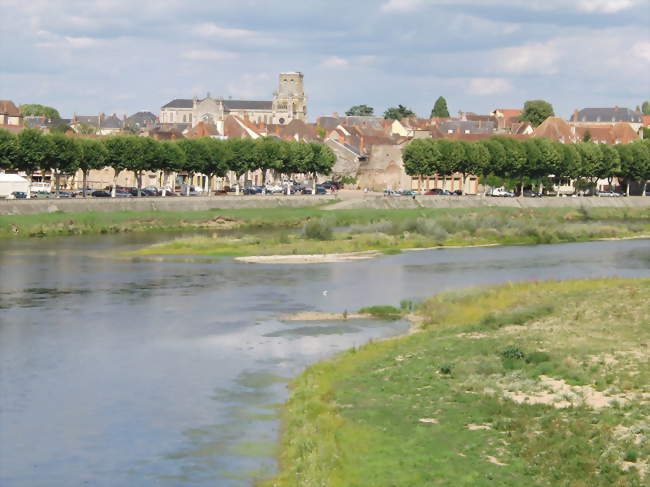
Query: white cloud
[[488, 86], [80, 42], [208, 55], [607, 6], [393, 6], [335, 62], [538, 58], [212, 30], [642, 51]]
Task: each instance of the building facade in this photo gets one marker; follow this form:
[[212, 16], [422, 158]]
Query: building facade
[[289, 103]]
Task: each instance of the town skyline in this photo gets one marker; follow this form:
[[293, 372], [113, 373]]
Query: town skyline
[[479, 56]]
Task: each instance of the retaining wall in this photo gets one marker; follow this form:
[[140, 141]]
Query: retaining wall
[[193, 203]]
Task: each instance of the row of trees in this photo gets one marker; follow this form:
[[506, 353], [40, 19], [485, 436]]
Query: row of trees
[[31, 151], [511, 162]]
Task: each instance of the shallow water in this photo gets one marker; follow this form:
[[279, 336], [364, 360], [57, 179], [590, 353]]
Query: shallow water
[[171, 373]]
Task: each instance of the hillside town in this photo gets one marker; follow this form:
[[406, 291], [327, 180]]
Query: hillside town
[[369, 149]]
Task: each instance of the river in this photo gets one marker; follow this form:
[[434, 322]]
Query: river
[[120, 373]]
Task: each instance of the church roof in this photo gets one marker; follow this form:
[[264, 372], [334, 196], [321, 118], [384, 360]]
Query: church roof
[[180, 103], [247, 105]]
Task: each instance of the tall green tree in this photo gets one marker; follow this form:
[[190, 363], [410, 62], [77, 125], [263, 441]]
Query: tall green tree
[[197, 158], [610, 166], [475, 158], [590, 163], [34, 109], [219, 155], [269, 156], [172, 159], [7, 149], [146, 157], [360, 111], [244, 158], [641, 155], [32, 151], [568, 164], [63, 157], [322, 161], [299, 158], [548, 162], [421, 158], [645, 108], [452, 155], [440, 108], [398, 113], [536, 111], [119, 156], [92, 155]]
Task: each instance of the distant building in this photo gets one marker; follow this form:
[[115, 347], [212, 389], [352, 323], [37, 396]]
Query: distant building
[[506, 117], [140, 120], [10, 114], [607, 116], [289, 103], [560, 130], [101, 124]]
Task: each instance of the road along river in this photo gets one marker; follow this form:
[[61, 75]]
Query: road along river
[[117, 372]]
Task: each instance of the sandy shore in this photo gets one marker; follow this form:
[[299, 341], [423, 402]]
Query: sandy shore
[[309, 258]]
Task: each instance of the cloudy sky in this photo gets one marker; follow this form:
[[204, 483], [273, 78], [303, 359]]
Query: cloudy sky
[[123, 56]]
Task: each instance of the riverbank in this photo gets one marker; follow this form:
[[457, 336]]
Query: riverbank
[[344, 235], [539, 382]]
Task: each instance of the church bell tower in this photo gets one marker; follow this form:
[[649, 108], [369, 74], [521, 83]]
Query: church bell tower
[[290, 102]]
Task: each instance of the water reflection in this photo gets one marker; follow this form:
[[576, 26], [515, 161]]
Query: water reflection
[[171, 373]]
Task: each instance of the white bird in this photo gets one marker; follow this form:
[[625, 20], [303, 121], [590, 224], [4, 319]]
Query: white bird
[[325, 293]]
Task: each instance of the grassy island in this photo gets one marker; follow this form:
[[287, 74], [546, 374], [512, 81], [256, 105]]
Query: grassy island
[[544, 384], [316, 231]]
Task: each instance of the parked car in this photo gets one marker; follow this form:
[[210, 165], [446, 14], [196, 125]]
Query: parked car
[[458, 192], [319, 190], [100, 194], [19, 195], [274, 188], [611, 194], [123, 194], [390, 192], [409, 192], [500, 192], [437, 192], [331, 185], [529, 193]]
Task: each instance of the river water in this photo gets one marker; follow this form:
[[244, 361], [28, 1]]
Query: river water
[[119, 373]]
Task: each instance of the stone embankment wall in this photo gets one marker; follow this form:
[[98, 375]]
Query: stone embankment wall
[[387, 202], [103, 205]]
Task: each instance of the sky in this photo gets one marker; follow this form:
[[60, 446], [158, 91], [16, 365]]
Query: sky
[[124, 56]]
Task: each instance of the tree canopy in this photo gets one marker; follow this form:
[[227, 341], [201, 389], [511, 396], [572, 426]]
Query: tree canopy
[[440, 108], [536, 111], [360, 111], [645, 108], [34, 109], [399, 112]]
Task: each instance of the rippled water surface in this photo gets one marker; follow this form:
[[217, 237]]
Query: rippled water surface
[[171, 373]]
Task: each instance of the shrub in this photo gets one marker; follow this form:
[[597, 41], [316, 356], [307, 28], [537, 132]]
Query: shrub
[[381, 311], [446, 369], [319, 230], [406, 305], [631, 456], [537, 357], [512, 353]]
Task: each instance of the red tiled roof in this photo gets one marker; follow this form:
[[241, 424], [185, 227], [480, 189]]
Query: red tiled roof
[[555, 128], [7, 107]]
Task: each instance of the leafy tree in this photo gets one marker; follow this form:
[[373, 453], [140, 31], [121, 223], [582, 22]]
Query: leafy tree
[[641, 155], [197, 158], [568, 163], [360, 111], [32, 150], [92, 155], [646, 133], [86, 129], [451, 156], [34, 109], [645, 108], [421, 157], [7, 149], [171, 159], [398, 113], [476, 156], [119, 154], [440, 108], [243, 157], [299, 156], [61, 129], [515, 164], [536, 111], [497, 157], [269, 155], [628, 167], [610, 166], [548, 162], [219, 155], [322, 161], [586, 137], [63, 157], [146, 157], [590, 162]]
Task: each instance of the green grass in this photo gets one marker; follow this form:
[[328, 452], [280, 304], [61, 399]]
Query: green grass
[[381, 311], [391, 231], [432, 408]]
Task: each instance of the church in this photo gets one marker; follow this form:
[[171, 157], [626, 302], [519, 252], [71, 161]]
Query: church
[[289, 103]]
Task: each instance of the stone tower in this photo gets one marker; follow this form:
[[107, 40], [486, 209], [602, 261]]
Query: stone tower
[[290, 102]]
